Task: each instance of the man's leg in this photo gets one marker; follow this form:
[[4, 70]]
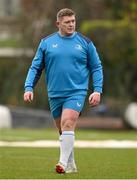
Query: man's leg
[[56, 110], [68, 122], [72, 106], [71, 166]]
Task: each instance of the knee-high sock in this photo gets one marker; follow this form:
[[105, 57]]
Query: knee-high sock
[[66, 146], [71, 159]]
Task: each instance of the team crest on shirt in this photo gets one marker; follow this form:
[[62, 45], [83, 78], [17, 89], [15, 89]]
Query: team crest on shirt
[[78, 46]]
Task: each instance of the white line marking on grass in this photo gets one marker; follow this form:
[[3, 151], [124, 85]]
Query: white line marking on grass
[[78, 144], [107, 144]]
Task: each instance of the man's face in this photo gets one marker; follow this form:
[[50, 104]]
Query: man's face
[[66, 25]]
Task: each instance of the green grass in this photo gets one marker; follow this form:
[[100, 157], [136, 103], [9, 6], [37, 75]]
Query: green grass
[[38, 163], [51, 134], [14, 43]]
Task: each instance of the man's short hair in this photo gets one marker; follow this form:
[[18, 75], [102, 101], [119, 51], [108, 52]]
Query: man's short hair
[[65, 12]]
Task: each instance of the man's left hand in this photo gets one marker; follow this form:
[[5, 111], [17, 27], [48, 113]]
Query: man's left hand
[[94, 99]]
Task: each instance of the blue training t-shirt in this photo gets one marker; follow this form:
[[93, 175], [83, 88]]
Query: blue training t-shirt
[[68, 61]]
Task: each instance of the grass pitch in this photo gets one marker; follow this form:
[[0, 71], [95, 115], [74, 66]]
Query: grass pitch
[[39, 163], [52, 134]]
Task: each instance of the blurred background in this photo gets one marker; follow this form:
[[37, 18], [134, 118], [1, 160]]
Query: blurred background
[[111, 25]]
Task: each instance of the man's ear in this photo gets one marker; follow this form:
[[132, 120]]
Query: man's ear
[[57, 24]]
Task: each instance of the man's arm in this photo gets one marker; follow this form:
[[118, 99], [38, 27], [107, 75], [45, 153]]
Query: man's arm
[[95, 68], [34, 73]]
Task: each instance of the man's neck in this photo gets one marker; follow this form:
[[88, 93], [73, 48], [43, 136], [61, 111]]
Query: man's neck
[[65, 35]]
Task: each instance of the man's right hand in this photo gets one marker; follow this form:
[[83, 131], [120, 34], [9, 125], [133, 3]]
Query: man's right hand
[[28, 96]]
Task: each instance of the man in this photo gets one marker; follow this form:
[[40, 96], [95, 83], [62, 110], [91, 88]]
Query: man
[[68, 58]]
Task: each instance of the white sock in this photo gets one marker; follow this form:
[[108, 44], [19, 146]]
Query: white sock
[[71, 158], [66, 146]]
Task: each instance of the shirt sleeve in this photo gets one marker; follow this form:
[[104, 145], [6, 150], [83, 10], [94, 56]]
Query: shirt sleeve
[[95, 68], [35, 69]]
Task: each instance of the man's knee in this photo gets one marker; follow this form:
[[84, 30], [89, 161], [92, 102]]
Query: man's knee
[[69, 119], [68, 124]]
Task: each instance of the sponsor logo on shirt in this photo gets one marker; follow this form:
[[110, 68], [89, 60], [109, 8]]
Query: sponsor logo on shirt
[[78, 104], [54, 45]]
